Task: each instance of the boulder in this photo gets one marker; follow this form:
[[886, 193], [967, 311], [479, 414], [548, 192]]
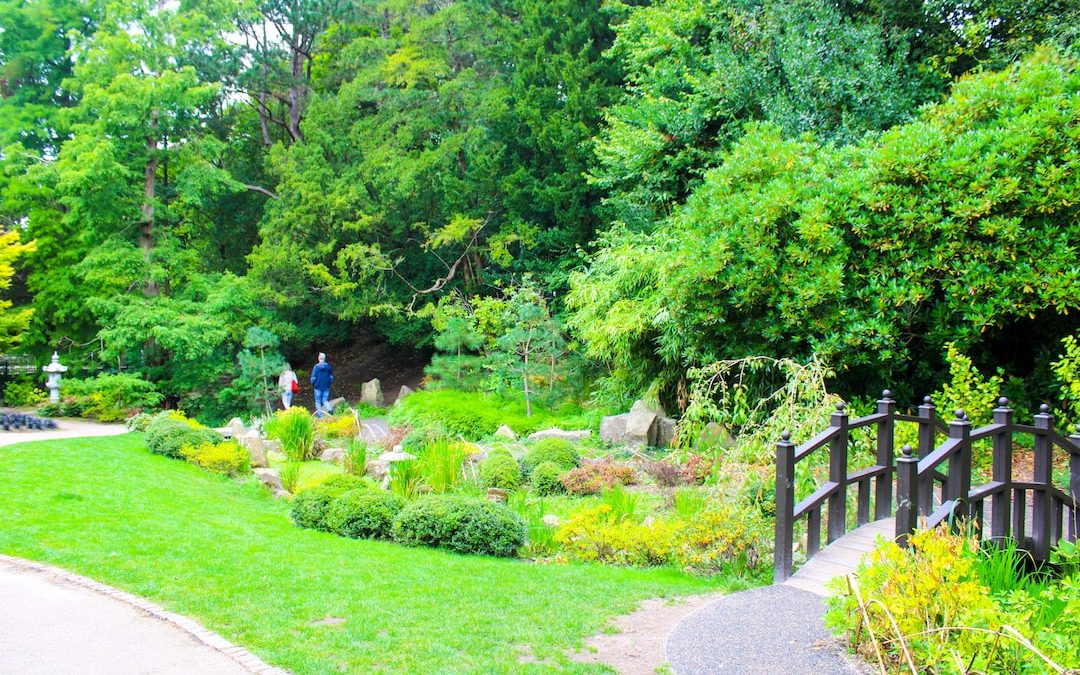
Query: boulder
[[506, 432], [640, 426], [333, 403], [402, 393], [273, 446], [335, 455], [497, 495], [396, 455], [371, 433], [665, 432], [575, 436], [377, 469], [371, 393], [258, 455], [613, 428], [271, 479], [715, 434], [234, 429], [551, 520]]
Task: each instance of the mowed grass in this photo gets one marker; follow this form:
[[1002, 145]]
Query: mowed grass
[[225, 553]]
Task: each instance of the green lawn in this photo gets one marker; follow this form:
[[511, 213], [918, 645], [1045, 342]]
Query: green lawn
[[225, 553]]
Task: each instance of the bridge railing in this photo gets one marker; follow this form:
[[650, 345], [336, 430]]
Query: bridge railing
[[924, 494]]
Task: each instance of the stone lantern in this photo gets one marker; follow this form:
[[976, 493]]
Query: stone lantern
[[54, 370]]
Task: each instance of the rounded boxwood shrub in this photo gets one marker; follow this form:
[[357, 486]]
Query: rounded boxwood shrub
[[545, 479], [364, 514], [500, 471], [558, 451], [462, 524], [169, 433], [309, 508]]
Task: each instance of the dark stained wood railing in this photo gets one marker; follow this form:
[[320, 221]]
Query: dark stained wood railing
[[924, 495]]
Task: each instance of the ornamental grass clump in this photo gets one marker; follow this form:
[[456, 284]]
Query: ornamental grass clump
[[462, 524], [295, 428], [364, 514]]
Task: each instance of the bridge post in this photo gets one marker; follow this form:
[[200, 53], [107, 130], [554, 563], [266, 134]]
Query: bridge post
[[927, 433], [959, 484], [885, 440], [838, 456], [1074, 487], [1042, 502], [785, 507], [1001, 502], [907, 494]]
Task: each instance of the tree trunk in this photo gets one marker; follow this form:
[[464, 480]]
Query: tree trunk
[[296, 92], [146, 230], [525, 377]]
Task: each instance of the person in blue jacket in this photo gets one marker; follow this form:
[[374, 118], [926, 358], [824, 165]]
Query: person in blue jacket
[[322, 376]]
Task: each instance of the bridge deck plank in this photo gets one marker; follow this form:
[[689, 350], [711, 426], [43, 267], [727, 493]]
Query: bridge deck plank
[[840, 557]]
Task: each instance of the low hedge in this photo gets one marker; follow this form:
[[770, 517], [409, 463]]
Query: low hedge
[[462, 524], [169, 433], [500, 471], [558, 451], [309, 508], [364, 514]]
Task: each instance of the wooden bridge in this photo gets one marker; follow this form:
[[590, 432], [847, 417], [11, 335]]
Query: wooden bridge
[[932, 483]]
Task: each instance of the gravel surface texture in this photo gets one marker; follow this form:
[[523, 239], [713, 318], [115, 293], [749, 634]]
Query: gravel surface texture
[[774, 630]]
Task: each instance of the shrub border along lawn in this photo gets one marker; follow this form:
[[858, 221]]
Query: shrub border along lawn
[[225, 553]]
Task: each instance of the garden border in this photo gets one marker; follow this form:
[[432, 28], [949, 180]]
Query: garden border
[[200, 633]]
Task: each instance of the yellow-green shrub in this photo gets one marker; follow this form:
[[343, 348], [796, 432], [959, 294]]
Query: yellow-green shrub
[[594, 535], [724, 539], [342, 426], [228, 457]]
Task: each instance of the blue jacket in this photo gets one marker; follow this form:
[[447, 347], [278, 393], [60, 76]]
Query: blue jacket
[[322, 375]]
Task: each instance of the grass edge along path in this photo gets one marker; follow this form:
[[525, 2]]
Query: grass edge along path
[[225, 553]]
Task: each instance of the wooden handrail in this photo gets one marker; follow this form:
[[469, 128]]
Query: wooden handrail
[[917, 475]]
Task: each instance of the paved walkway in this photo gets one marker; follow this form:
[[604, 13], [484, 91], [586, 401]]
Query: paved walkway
[[68, 429], [776, 630], [56, 623]]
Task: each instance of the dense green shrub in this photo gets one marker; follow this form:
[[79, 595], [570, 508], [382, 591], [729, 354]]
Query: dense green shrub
[[139, 422], [473, 416], [364, 514], [500, 471], [461, 524], [545, 479], [22, 393], [113, 397], [557, 451], [169, 432], [309, 507], [228, 457]]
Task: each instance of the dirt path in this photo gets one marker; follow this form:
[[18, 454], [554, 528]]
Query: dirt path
[[637, 642]]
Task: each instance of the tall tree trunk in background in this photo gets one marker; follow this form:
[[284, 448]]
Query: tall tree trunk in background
[[146, 230], [296, 90]]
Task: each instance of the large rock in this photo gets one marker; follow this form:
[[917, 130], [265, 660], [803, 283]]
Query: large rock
[[271, 479], [377, 469], [253, 443], [402, 393], [715, 434], [372, 432], [641, 423], [273, 446], [371, 393], [575, 436], [333, 403], [665, 432], [234, 429], [613, 428], [506, 432], [335, 455]]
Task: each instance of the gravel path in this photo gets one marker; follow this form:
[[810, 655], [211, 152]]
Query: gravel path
[[776, 630], [68, 429], [56, 623]]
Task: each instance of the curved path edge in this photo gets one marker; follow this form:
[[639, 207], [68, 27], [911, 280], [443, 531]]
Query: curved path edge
[[241, 656]]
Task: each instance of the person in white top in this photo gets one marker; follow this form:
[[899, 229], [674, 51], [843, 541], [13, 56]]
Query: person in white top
[[289, 385]]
